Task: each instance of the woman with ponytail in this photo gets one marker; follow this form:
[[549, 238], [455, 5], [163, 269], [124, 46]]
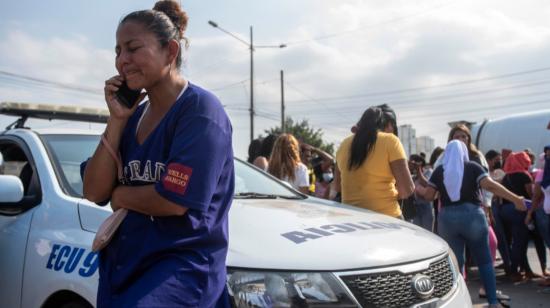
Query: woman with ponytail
[[462, 221], [372, 166], [167, 163]]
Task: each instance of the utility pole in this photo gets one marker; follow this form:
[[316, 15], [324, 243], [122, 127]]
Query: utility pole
[[251, 47], [251, 87], [283, 128]]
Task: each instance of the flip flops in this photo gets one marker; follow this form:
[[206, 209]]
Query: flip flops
[[502, 298]]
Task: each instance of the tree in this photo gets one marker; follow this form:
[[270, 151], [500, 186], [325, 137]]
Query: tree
[[304, 133]]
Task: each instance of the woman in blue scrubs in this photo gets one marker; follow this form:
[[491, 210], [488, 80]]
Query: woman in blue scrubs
[[178, 176]]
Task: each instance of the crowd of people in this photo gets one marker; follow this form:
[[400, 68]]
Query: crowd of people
[[170, 250], [479, 203]]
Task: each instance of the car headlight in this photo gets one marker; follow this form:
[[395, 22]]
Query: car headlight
[[286, 289], [454, 265]]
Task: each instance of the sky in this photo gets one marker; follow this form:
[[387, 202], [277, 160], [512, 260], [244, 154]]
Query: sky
[[433, 61]]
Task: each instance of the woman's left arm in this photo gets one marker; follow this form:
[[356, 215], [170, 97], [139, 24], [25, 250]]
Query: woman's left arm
[[429, 193], [140, 199], [529, 189]]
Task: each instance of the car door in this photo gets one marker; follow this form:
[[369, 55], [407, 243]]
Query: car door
[[15, 219]]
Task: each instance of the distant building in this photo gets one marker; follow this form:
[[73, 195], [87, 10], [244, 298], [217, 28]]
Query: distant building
[[413, 144], [407, 135], [425, 144]]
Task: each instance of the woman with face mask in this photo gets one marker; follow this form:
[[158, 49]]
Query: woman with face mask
[[324, 177]]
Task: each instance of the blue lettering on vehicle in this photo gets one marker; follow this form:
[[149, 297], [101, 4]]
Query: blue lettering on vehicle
[[308, 234], [68, 259]]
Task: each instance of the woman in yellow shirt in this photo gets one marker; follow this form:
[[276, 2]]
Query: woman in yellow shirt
[[372, 165]]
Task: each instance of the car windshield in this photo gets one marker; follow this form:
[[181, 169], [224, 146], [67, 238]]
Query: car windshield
[[68, 151]]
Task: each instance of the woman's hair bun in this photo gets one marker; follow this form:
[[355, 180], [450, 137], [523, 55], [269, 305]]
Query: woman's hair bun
[[173, 10]]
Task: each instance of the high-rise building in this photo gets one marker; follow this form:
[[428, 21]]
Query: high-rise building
[[425, 144], [407, 135], [413, 144]]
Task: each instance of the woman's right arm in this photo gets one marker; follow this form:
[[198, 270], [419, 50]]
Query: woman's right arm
[[100, 175], [499, 190], [403, 179]]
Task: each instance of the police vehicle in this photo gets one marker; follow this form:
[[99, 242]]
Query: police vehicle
[[286, 249]]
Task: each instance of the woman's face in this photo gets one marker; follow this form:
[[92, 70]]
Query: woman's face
[[140, 59], [462, 136]]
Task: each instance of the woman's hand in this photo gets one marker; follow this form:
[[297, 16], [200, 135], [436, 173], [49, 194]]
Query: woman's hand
[[520, 204], [117, 110]]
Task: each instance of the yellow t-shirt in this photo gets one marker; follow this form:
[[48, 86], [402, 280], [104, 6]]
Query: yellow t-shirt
[[372, 185]]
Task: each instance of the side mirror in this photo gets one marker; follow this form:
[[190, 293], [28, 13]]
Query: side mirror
[[11, 189]]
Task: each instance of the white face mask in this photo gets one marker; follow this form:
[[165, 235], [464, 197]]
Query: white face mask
[[327, 177]]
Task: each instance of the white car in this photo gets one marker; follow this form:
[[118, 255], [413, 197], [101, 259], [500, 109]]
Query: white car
[[285, 249]]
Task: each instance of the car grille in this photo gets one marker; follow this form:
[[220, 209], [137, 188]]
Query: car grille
[[394, 289]]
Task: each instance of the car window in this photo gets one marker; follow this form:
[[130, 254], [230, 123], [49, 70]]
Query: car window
[[251, 180], [68, 151]]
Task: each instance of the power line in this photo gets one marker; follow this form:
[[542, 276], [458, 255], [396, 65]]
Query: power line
[[470, 111], [311, 98], [449, 99], [394, 20], [209, 68], [230, 85], [44, 87], [477, 109], [407, 90], [53, 83]]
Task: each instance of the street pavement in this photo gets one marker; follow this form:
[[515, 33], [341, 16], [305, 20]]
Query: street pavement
[[526, 294]]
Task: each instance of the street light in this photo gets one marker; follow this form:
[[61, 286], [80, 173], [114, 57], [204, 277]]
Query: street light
[[251, 47]]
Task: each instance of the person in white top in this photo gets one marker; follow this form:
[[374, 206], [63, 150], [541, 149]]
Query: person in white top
[[285, 163]]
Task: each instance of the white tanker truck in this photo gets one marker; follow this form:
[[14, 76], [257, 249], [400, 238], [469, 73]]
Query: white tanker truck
[[518, 132]]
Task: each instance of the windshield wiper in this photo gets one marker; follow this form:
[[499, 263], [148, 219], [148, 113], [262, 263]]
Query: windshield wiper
[[255, 195]]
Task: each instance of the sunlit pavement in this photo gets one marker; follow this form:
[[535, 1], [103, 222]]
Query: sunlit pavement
[[524, 294]]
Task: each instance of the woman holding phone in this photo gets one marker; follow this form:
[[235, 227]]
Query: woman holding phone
[[177, 174]]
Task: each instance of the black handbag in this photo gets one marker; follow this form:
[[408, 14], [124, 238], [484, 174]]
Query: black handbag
[[408, 208]]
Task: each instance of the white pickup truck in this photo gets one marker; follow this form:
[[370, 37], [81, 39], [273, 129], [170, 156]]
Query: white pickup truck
[[286, 249]]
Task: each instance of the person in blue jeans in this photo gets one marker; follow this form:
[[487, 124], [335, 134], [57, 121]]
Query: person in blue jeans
[[519, 181], [461, 219], [424, 216]]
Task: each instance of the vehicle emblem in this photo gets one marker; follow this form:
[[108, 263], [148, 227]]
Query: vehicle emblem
[[423, 286]]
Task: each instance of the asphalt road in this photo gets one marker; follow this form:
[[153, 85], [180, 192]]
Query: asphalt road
[[526, 294]]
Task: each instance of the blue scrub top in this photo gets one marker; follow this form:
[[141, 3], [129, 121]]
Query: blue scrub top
[[175, 260]]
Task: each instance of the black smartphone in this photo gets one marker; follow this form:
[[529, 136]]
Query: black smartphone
[[127, 96]]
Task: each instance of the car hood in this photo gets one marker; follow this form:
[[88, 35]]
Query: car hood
[[310, 234], [315, 235]]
